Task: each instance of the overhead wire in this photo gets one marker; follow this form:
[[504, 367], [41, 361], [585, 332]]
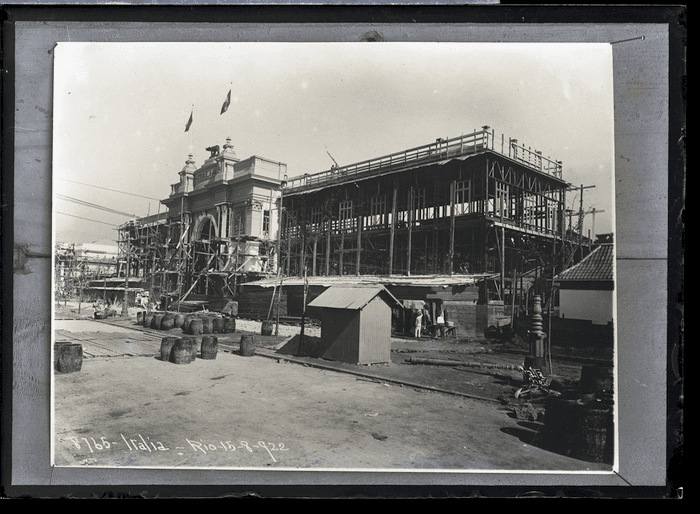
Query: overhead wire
[[108, 189], [95, 206], [87, 219]]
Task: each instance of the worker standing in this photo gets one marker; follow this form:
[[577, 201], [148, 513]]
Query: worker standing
[[418, 327]]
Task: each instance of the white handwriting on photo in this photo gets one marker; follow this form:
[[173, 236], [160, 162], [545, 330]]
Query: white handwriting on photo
[[142, 444]]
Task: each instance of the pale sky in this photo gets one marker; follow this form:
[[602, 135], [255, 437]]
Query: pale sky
[[120, 111]]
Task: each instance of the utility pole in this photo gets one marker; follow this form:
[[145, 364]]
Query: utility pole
[[579, 228], [593, 212]]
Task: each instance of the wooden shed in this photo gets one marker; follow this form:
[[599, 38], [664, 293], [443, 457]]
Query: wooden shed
[[356, 323]]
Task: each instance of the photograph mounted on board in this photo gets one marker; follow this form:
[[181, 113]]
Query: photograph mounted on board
[[335, 256]]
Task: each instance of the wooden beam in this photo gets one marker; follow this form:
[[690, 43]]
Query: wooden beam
[[359, 245], [410, 229], [342, 250], [328, 249], [453, 188], [392, 231]]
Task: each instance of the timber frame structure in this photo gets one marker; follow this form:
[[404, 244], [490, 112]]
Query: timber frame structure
[[470, 204]]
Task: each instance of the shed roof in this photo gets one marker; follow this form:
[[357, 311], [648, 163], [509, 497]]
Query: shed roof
[[351, 298], [598, 265]]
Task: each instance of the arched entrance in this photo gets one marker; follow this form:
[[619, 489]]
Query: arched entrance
[[206, 251]]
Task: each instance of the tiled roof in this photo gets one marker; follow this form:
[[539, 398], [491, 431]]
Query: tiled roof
[[353, 298], [598, 265]]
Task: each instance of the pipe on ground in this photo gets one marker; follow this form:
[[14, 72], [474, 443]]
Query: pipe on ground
[[443, 362]]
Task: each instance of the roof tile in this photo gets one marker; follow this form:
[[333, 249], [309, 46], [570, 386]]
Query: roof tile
[[598, 265]]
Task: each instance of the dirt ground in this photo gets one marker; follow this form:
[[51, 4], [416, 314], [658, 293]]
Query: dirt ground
[[288, 412]]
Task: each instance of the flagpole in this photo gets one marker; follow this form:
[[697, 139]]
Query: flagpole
[[229, 114], [191, 137]]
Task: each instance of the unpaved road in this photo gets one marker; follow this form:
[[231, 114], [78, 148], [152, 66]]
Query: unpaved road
[[256, 412]]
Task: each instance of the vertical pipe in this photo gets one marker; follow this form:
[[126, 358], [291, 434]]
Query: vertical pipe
[[313, 264]]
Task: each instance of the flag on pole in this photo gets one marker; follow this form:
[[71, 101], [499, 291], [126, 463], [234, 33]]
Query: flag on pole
[[224, 107], [189, 122]]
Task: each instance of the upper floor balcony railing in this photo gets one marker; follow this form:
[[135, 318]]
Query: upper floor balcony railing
[[441, 149]]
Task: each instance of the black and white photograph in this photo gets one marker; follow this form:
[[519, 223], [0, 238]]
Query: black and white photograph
[[334, 256]]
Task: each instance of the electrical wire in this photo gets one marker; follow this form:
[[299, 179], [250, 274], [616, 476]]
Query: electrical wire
[[108, 189], [87, 219], [95, 206]]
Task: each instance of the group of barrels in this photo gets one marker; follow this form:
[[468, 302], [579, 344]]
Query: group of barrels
[[192, 324], [183, 350]]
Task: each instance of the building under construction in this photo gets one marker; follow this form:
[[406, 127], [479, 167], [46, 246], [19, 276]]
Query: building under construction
[[471, 204], [218, 229], [471, 208]]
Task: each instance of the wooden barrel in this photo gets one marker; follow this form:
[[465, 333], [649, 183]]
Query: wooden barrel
[[230, 325], [210, 345], [266, 328], [217, 325], [57, 352], [70, 358], [156, 321], [181, 352], [247, 345], [186, 323], [139, 317], [166, 345], [195, 344], [207, 325], [168, 322], [195, 327], [148, 319], [179, 320]]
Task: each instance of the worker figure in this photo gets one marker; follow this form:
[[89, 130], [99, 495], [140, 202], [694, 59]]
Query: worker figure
[[418, 327], [441, 324]]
